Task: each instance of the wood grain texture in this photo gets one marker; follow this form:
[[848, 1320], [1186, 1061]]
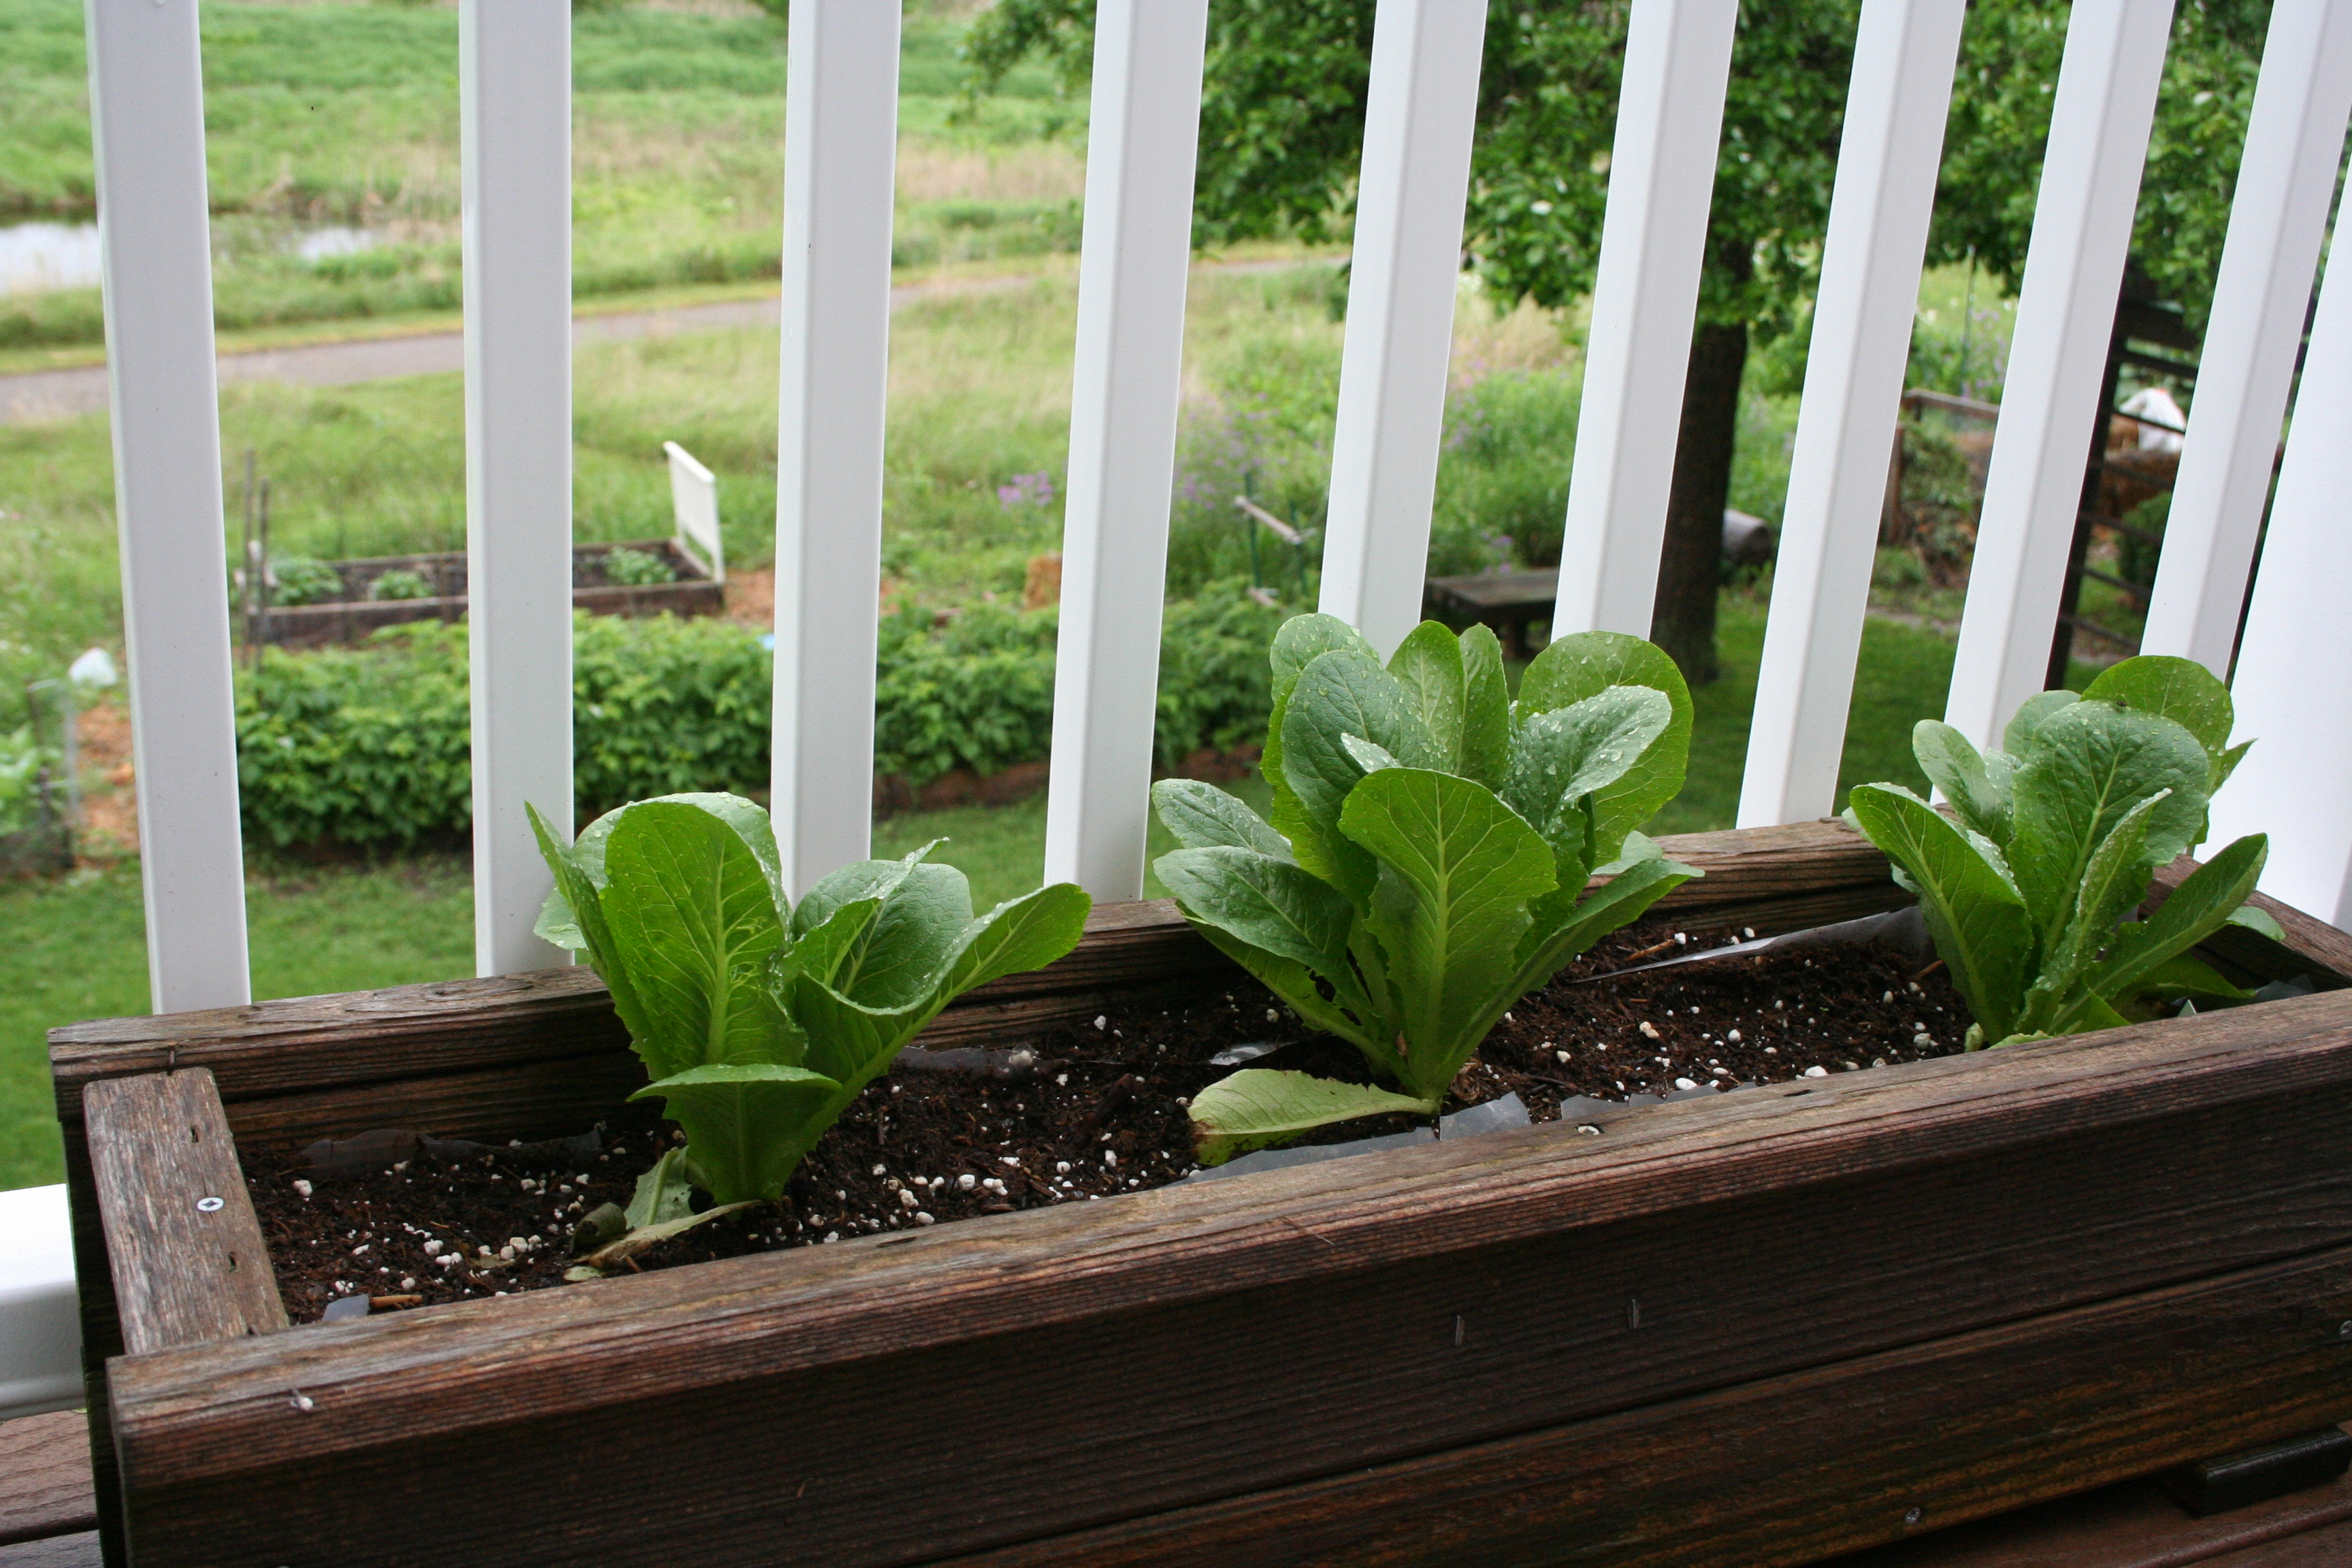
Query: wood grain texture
[[2131, 1524], [1785, 1470], [185, 1250], [45, 1476], [57, 1551], [310, 1045], [1199, 1342], [101, 1329], [2327, 1548]]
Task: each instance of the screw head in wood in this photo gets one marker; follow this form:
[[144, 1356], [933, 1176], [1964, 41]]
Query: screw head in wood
[[2344, 1330], [211, 1205], [1913, 1515]]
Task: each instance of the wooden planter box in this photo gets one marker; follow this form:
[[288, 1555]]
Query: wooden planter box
[[694, 593], [1757, 1329]]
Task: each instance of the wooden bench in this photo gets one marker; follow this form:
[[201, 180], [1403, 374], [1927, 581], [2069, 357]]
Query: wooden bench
[[1506, 600], [48, 1517]]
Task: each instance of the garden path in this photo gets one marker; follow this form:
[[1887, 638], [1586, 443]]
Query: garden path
[[31, 396]]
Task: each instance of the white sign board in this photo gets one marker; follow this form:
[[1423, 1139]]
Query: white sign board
[[694, 499]]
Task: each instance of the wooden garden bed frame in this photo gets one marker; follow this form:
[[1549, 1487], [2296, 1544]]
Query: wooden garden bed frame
[[694, 592], [1756, 1329]]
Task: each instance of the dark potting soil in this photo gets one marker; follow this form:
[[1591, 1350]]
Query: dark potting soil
[[1101, 1113]]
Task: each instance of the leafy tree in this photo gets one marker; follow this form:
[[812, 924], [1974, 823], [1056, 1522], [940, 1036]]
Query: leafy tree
[[1282, 136]]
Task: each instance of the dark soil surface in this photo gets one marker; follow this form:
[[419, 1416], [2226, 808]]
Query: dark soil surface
[[1101, 1113]]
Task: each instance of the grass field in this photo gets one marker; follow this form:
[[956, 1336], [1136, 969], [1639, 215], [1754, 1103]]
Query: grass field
[[346, 114]]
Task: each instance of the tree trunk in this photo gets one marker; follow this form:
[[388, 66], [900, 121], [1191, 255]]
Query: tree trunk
[[1690, 570]]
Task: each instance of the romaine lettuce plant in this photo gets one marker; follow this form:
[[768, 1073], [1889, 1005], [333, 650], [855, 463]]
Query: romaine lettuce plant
[[759, 1021], [1429, 849], [2052, 843]]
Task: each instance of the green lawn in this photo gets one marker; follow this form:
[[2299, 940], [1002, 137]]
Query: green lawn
[[347, 115], [77, 950]]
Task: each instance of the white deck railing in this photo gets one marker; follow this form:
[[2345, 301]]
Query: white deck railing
[[2295, 676]]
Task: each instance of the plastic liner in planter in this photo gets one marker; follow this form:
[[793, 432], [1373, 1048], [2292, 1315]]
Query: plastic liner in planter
[[1904, 928]]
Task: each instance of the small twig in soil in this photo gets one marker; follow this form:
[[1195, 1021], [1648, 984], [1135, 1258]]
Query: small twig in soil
[[1927, 971]]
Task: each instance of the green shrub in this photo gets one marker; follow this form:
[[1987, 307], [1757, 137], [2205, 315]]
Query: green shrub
[[298, 580], [628, 568], [1502, 483], [22, 758], [400, 584], [2135, 556], [370, 745]]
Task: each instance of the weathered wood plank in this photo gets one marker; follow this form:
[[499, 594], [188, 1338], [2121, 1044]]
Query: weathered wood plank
[[2131, 1524], [101, 1329], [304, 1046], [185, 1250], [309, 1043], [538, 1099], [1204, 1341], [57, 1551], [45, 1476], [1788, 1469]]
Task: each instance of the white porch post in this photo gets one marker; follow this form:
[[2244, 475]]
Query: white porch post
[[1144, 133], [1423, 106], [2065, 314], [1887, 159], [2286, 179], [2293, 684], [147, 123], [515, 115], [1644, 300], [841, 124]]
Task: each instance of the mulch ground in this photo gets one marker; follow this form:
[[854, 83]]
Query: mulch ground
[[1100, 1112]]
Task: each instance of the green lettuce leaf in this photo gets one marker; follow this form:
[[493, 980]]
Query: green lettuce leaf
[[1203, 816], [2086, 767], [1972, 906], [1977, 785], [733, 1114], [690, 904], [1586, 664], [2181, 690], [1458, 868], [1258, 1106], [2200, 906]]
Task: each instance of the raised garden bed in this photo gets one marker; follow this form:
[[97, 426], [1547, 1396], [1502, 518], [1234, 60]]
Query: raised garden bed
[[1759, 1327], [353, 616]]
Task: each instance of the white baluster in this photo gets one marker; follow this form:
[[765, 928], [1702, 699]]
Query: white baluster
[[1143, 134], [147, 121], [515, 117], [1888, 159], [2294, 683], [1645, 298], [2286, 180], [2065, 314], [1422, 107], [841, 123]]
